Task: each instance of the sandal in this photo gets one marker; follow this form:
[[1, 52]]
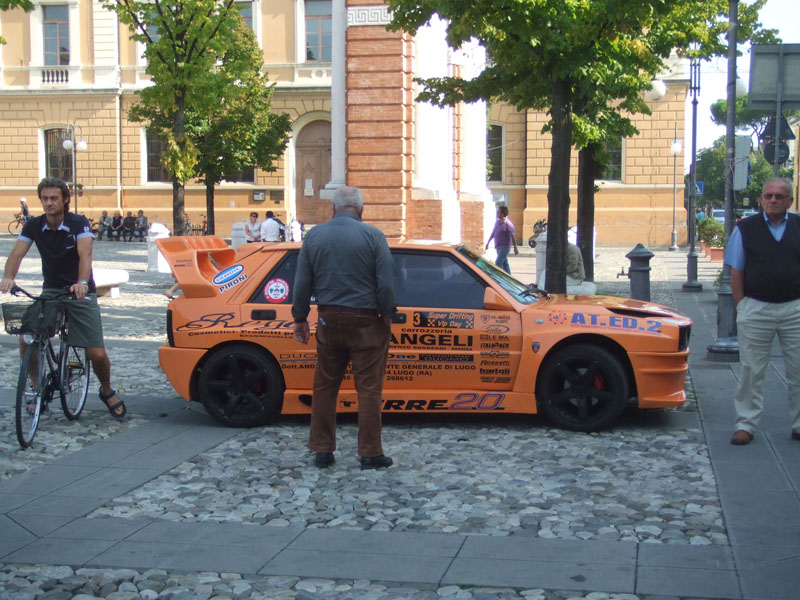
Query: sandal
[[113, 407]]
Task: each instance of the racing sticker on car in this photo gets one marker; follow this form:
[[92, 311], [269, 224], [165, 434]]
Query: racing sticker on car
[[276, 291], [588, 321], [464, 401], [216, 323], [431, 340], [229, 278], [444, 319]]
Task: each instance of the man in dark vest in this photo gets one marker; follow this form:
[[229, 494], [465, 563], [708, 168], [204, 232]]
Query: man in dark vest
[[764, 255]]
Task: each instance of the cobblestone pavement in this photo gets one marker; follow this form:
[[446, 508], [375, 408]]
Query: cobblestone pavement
[[513, 476]]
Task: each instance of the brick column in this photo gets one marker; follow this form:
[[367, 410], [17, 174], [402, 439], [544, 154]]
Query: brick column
[[379, 115]]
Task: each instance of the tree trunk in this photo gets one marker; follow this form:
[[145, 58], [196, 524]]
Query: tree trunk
[[178, 187], [587, 173], [210, 208], [178, 213], [558, 188]]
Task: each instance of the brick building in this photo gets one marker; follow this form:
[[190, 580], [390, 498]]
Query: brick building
[[71, 71]]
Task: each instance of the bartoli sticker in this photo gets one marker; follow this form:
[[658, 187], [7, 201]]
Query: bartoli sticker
[[230, 277], [276, 290]]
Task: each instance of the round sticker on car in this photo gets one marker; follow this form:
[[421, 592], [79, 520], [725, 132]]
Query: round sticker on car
[[276, 290], [228, 274]]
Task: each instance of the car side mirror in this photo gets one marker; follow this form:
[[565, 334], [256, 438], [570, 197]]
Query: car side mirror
[[494, 301]]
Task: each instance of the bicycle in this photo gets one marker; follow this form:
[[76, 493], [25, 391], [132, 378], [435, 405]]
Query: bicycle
[[45, 368], [17, 222]]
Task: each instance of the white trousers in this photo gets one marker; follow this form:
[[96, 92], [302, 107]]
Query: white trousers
[[757, 324]]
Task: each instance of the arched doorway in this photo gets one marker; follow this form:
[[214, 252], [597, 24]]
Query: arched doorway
[[313, 169]]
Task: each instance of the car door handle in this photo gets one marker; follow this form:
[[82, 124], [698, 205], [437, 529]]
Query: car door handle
[[263, 315], [399, 318]]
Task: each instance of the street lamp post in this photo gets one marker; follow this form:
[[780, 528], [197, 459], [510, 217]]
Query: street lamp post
[[691, 284], [73, 144], [675, 149], [726, 348]]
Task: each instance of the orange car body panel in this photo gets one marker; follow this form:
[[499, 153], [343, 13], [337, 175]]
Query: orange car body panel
[[439, 359]]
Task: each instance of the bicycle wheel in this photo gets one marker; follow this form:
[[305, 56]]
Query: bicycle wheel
[[14, 227], [32, 376], [73, 370]]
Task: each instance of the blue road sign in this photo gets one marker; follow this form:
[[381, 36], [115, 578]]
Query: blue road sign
[[698, 189]]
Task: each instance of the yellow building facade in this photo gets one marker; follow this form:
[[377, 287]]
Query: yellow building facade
[[70, 72]]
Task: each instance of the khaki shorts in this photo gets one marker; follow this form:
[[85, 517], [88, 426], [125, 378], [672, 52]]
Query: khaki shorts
[[84, 328]]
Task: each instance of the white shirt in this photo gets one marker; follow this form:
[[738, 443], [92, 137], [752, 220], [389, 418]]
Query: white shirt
[[252, 231], [270, 230]]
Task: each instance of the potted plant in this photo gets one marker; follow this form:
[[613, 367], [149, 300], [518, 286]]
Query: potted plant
[[712, 234]]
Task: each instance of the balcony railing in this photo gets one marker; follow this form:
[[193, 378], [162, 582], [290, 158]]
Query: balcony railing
[[55, 76]]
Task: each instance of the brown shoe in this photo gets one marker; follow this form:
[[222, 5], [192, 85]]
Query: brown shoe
[[741, 437]]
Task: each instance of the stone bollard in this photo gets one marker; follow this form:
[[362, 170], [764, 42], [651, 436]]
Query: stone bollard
[[639, 272], [238, 238], [155, 260]]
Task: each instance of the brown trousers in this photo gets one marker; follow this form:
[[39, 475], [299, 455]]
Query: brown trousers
[[343, 335]]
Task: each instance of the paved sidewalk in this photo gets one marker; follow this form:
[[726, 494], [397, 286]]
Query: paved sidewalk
[[43, 511]]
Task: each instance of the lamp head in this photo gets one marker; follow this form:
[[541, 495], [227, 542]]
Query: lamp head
[[67, 144], [675, 147]]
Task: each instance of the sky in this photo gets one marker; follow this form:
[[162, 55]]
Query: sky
[[783, 15]]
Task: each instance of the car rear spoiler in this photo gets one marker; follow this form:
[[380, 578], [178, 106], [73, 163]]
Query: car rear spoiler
[[195, 261]]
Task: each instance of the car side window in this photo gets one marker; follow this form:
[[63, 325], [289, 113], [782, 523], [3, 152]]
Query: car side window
[[276, 288], [435, 281]]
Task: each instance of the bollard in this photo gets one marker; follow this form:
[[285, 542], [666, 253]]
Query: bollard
[[639, 272], [156, 263]]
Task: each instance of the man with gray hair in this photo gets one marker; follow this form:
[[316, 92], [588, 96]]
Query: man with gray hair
[[763, 253], [346, 266]]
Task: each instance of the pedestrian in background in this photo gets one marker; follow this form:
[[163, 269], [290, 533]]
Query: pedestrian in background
[[763, 253], [252, 229], [270, 228], [504, 238], [346, 266]]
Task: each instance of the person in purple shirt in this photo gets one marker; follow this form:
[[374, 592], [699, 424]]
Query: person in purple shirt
[[504, 240]]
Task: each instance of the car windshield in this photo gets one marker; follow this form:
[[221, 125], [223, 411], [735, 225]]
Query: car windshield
[[522, 292]]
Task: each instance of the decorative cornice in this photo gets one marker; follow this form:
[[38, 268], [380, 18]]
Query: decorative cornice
[[368, 15]]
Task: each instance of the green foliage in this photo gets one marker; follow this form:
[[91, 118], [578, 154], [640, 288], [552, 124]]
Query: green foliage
[[586, 62], [711, 231], [711, 171], [185, 45], [5, 5], [746, 118]]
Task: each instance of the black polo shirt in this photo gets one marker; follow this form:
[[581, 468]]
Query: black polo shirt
[[58, 248]]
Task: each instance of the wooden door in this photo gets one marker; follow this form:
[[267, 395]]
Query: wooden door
[[313, 160]]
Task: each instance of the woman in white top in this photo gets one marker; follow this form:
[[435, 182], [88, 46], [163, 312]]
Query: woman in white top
[[252, 229]]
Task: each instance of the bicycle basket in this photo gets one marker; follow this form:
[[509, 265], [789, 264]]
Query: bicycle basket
[[13, 314], [29, 317]]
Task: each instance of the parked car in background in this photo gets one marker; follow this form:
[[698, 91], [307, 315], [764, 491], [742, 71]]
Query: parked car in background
[[718, 214], [466, 338]]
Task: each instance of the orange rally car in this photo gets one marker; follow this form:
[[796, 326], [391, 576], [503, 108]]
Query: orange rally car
[[467, 337]]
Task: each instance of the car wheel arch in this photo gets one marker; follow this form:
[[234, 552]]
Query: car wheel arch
[[606, 343], [194, 383]]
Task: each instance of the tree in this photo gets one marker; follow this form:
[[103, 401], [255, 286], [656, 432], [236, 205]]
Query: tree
[[184, 42], [747, 118], [243, 132], [711, 171], [545, 54], [5, 5]]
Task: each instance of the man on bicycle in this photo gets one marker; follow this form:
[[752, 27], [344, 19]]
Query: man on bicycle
[[64, 241]]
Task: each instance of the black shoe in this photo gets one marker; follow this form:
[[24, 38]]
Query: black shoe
[[324, 459], [796, 435], [375, 462]]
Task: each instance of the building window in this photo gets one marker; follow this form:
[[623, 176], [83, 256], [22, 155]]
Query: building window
[[246, 10], [58, 160], [156, 171], [56, 34], [319, 30], [494, 153], [247, 175], [613, 170]]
